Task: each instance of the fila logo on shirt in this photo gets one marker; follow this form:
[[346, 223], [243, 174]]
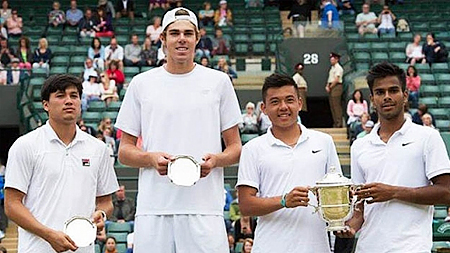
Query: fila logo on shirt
[[86, 162]]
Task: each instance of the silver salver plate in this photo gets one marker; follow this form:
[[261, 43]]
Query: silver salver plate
[[184, 170], [81, 230]]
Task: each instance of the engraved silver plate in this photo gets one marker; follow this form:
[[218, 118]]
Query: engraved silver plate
[[81, 230], [184, 170]]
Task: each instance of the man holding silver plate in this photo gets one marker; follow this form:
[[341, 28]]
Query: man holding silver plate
[[277, 170], [181, 110], [405, 171], [59, 179]]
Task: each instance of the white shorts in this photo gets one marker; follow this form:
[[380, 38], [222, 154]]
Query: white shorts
[[180, 234]]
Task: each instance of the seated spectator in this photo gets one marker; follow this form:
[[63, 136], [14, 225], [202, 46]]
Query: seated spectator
[[15, 75], [148, 54], [263, 122], [222, 65], [421, 110], [367, 129], [413, 86], [244, 228], [87, 24], [162, 58], [154, 31], [85, 128], [356, 107], [42, 55], [114, 73], [73, 15], [97, 53], [235, 212], [108, 136], [14, 24], [108, 6], [130, 242], [414, 51], [346, 7], [231, 243], [206, 15], [124, 208], [104, 124], [434, 50], [24, 53], [254, 3], [89, 69], [114, 52], [174, 3], [300, 14], [6, 52], [56, 17], [204, 61], [204, 45], [428, 120], [104, 27], [132, 55], [3, 31], [3, 76], [223, 15], [110, 245], [386, 20], [100, 239], [330, 15], [366, 21], [358, 126], [155, 4], [248, 245], [91, 91], [109, 89], [5, 11], [221, 44], [125, 8], [250, 121]]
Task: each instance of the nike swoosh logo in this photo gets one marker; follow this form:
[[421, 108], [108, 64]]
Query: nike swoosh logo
[[316, 151], [405, 144]]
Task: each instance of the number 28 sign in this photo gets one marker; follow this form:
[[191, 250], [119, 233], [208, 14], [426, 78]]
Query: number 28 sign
[[310, 59]]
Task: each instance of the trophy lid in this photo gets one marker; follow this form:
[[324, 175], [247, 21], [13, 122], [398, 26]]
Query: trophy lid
[[333, 177]]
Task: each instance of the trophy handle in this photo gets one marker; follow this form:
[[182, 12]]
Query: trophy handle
[[355, 201], [314, 191]]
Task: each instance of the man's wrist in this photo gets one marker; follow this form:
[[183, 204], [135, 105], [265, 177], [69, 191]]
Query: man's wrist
[[103, 214], [283, 201]]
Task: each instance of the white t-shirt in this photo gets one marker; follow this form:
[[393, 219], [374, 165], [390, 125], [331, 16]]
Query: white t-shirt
[[116, 54], [335, 71], [59, 181], [273, 168], [181, 114], [413, 51], [153, 33], [366, 17], [411, 158], [300, 81], [92, 89], [386, 22]]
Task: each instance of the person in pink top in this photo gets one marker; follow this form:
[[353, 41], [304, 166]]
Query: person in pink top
[[356, 107], [413, 86], [14, 24]]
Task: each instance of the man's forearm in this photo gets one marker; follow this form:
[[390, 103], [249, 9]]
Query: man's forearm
[[256, 206], [229, 156]]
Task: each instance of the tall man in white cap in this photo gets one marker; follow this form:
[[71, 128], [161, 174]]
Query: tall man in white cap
[[180, 108]]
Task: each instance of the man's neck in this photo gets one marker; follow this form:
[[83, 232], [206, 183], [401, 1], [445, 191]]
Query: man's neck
[[288, 135], [389, 127], [175, 68], [66, 133]]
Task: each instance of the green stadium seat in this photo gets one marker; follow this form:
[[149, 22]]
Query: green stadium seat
[[446, 137], [121, 237], [438, 27], [117, 227], [441, 78], [443, 124], [258, 38], [37, 95], [445, 89], [146, 68], [97, 106], [440, 212], [362, 57], [69, 40], [247, 137], [397, 46], [379, 46], [361, 46], [362, 66], [97, 248], [121, 30], [431, 102], [403, 66], [121, 247], [54, 30], [79, 50], [397, 56], [241, 48], [38, 107], [114, 106], [111, 115], [429, 90], [238, 247], [371, 37], [422, 69], [130, 71], [352, 37], [258, 48], [440, 113], [441, 230], [37, 81], [444, 102], [78, 60], [440, 246], [58, 70], [39, 72], [122, 94], [379, 57], [60, 50], [420, 26], [440, 68], [427, 79], [62, 60], [76, 70], [387, 36], [241, 38], [406, 37], [92, 117]]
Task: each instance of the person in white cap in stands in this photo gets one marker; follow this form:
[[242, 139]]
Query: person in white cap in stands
[[223, 15], [367, 129], [180, 108]]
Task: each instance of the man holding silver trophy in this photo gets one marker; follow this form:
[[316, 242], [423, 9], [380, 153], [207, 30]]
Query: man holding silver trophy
[[404, 169], [276, 170], [181, 110]]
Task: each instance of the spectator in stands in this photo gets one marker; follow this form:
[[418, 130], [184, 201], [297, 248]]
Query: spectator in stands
[[249, 123], [154, 31], [3, 78], [132, 56], [42, 55], [421, 110], [125, 8], [413, 86], [105, 123], [223, 15], [73, 15], [5, 11], [175, 3], [24, 53], [108, 6], [114, 52], [434, 50], [235, 213], [162, 57], [356, 107], [365, 21], [221, 44], [114, 73], [3, 31], [97, 53], [368, 126], [56, 17], [91, 91], [124, 208], [14, 24], [204, 46], [7, 53], [100, 239], [104, 27], [358, 126], [222, 65], [110, 245], [204, 61], [330, 15], [231, 243], [15, 75], [264, 122], [346, 7], [108, 136], [300, 14], [386, 20], [206, 15], [89, 69], [244, 228], [130, 242], [85, 128], [254, 3], [109, 89], [414, 51], [428, 120], [155, 4], [148, 54], [334, 89], [87, 24], [301, 84], [248, 245]]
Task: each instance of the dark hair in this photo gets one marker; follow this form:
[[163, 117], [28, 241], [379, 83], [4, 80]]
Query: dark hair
[[27, 41], [115, 63], [298, 65], [353, 96], [60, 82], [93, 40], [423, 108], [111, 237], [432, 35], [414, 68], [383, 70], [276, 81], [204, 57], [134, 34]]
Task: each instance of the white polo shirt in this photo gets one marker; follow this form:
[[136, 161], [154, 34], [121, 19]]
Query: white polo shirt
[[180, 114], [411, 158], [335, 71], [116, 54], [59, 181], [273, 168]]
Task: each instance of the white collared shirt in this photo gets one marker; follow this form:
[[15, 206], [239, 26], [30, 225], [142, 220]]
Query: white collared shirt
[[411, 158], [60, 181], [274, 168]]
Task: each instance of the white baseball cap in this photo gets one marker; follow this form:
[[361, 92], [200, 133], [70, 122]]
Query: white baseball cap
[[170, 17]]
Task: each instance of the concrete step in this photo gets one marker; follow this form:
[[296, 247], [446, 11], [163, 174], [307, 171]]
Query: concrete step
[[10, 240]]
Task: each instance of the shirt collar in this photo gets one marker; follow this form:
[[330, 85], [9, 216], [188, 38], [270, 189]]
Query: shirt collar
[[375, 138], [52, 136], [273, 141]]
